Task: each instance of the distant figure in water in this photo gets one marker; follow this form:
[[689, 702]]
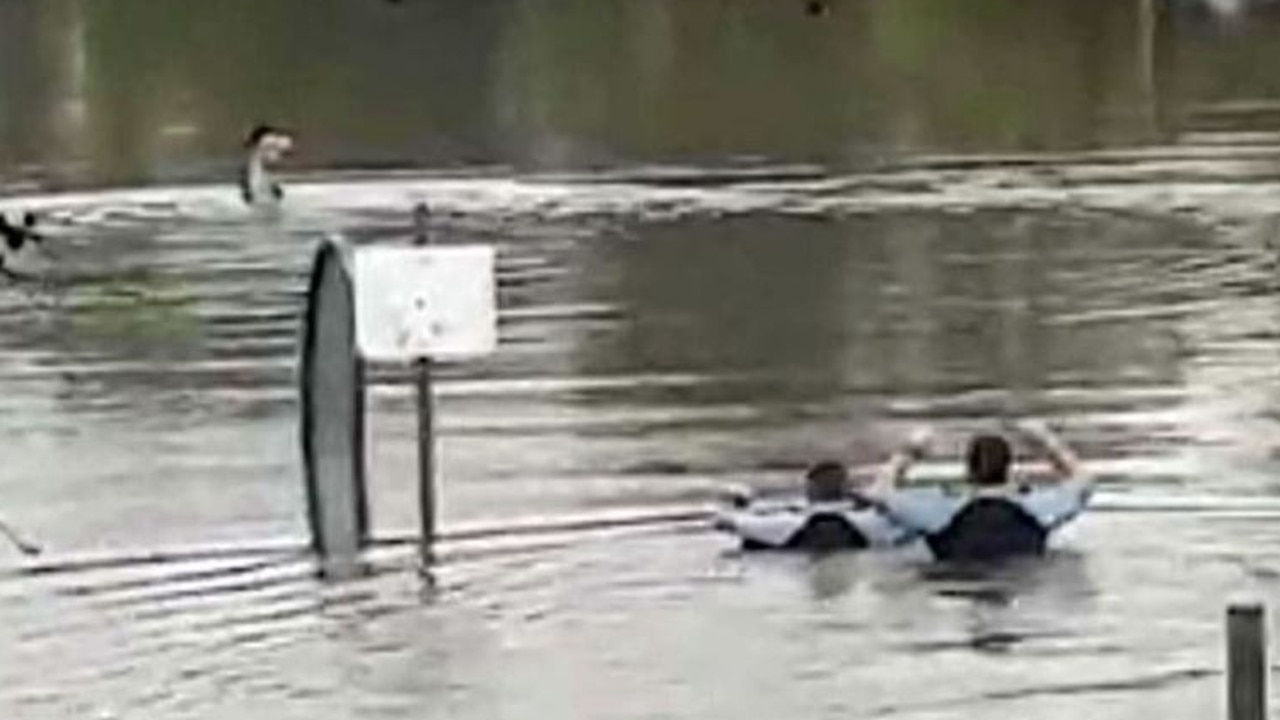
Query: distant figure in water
[[994, 518], [15, 238], [267, 145]]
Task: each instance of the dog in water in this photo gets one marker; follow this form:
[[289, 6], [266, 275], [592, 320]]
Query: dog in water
[[13, 238]]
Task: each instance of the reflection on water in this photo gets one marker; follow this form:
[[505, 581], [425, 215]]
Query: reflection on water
[[732, 238], [559, 84]]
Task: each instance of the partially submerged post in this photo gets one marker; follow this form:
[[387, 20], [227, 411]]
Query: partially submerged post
[[1246, 662], [426, 421], [332, 393]]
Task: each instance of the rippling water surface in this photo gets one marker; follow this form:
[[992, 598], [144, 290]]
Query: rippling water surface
[[720, 293]]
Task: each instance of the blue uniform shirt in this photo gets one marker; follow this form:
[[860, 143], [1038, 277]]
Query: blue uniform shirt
[[930, 510]]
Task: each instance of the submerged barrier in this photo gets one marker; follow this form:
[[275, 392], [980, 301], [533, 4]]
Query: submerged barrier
[[390, 304]]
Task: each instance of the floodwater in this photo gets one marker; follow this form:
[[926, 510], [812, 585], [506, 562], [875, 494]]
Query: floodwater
[[734, 237]]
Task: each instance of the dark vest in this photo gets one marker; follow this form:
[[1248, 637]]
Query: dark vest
[[989, 528], [825, 532]]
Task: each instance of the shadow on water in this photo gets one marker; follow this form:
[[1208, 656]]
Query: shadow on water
[[1059, 577], [996, 590]]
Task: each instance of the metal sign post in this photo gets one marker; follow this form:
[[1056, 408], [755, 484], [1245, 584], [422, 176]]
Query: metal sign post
[[409, 305], [417, 306], [426, 423]]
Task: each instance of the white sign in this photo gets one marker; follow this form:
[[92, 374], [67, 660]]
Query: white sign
[[425, 302]]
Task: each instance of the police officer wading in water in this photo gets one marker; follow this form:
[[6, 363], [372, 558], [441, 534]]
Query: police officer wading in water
[[993, 517]]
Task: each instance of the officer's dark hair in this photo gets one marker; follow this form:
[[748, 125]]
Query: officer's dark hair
[[989, 458], [827, 481]]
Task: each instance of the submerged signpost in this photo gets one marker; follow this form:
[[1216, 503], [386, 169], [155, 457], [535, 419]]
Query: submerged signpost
[[426, 423], [399, 304]]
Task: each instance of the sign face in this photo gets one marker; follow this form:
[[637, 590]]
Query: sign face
[[425, 302]]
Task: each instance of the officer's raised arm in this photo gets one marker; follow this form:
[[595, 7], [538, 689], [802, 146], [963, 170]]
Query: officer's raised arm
[[1061, 456]]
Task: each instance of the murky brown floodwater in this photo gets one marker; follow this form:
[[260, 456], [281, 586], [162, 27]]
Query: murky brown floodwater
[[734, 237]]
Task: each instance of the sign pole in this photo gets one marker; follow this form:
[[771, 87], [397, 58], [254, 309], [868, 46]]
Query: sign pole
[[426, 423], [425, 304]]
